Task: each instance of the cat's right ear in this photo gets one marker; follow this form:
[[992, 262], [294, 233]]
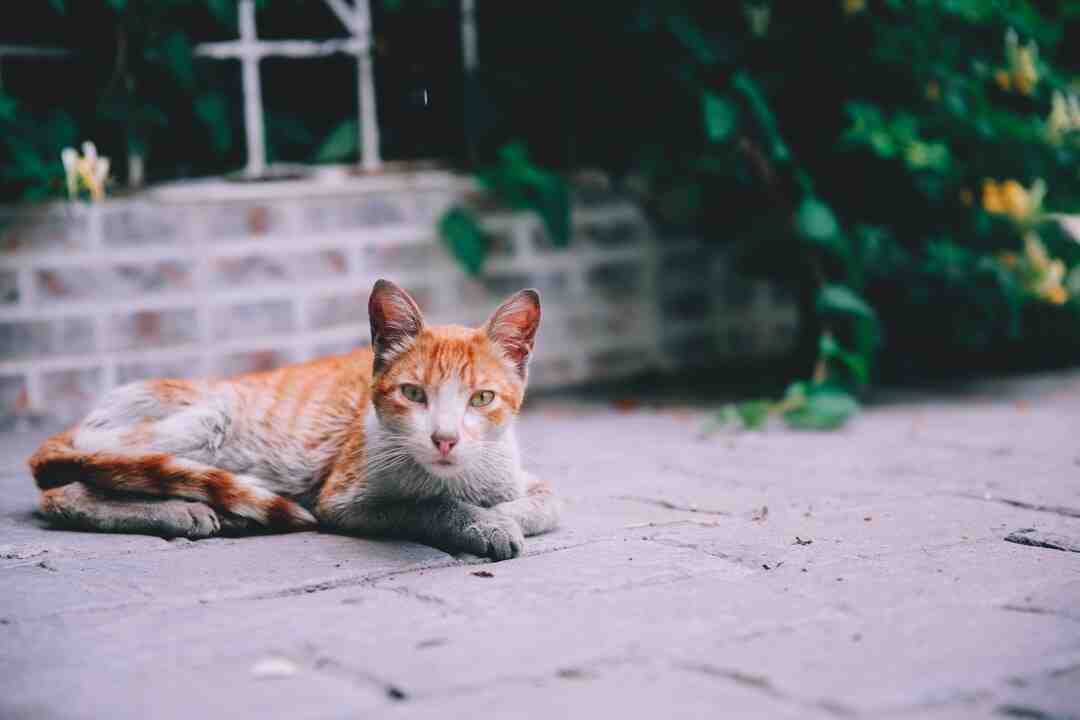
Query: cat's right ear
[[395, 322]]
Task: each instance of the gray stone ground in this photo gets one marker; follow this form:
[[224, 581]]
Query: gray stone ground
[[670, 592]]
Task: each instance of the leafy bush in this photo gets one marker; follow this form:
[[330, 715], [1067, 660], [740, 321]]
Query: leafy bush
[[901, 162]]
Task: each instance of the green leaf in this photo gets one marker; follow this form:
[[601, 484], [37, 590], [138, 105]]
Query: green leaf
[[7, 107], [816, 222], [224, 11], [466, 239], [342, 143], [691, 37], [213, 110], [835, 299], [854, 363], [118, 5], [753, 413], [822, 408], [59, 6], [719, 117], [174, 52]]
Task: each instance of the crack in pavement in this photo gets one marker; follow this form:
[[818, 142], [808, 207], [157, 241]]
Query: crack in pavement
[[1036, 610], [1061, 510], [669, 505], [762, 684]]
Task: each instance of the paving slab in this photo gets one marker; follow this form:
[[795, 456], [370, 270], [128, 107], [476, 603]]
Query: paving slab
[[859, 573]]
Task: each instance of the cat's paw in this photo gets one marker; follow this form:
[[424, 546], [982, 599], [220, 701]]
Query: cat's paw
[[492, 535], [192, 520]]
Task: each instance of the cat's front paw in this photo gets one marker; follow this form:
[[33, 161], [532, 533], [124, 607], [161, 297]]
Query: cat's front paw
[[493, 535]]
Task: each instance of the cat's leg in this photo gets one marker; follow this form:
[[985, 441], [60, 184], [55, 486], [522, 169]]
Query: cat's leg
[[538, 512], [450, 525], [85, 508]]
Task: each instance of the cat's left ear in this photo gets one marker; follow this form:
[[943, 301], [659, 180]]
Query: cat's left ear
[[513, 327], [395, 322]]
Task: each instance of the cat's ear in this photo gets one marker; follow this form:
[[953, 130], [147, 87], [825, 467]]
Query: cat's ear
[[395, 322], [513, 327]]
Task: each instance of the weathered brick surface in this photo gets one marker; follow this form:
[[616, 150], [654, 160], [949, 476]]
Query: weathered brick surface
[[245, 220], [69, 394], [263, 270], [45, 229], [219, 282], [348, 308], [180, 366], [14, 396], [242, 320], [152, 329], [143, 224], [254, 361], [9, 287], [46, 338], [53, 284]]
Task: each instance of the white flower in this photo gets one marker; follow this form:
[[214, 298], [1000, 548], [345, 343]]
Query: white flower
[[70, 158]]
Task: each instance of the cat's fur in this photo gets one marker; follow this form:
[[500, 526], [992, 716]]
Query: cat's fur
[[335, 443]]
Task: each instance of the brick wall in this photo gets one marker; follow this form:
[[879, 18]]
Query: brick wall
[[208, 278]]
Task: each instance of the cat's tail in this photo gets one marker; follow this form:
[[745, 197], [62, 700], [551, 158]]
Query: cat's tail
[[57, 462]]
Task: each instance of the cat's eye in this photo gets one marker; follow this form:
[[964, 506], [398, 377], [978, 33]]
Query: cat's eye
[[414, 393], [482, 398]]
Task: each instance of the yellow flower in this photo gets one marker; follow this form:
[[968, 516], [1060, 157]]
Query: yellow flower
[[1003, 80], [854, 7], [933, 91], [1024, 73], [1016, 200], [1056, 295], [991, 197], [89, 171]]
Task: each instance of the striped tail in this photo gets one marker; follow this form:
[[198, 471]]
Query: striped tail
[[58, 463]]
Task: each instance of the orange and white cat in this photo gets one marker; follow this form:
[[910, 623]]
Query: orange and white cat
[[412, 439]]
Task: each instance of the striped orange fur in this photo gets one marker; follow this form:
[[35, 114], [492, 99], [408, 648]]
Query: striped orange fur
[[411, 438]]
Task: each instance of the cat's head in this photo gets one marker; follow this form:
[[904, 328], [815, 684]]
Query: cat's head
[[447, 394]]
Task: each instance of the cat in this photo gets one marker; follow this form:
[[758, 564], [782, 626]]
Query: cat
[[412, 438]]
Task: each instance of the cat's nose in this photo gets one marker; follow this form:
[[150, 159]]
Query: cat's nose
[[445, 442]]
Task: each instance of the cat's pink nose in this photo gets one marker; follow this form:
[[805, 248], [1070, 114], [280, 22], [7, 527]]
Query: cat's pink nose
[[445, 442]]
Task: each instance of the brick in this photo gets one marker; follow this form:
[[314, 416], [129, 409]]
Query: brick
[[153, 328], [615, 234], [249, 362], [260, 270], [68, 395], [111, 282], [140, 224], [693, 267], [617, 279], [689, 305], [244, 220], [9, 287], [431, 205], [185, 367], [45, 230], [389, 260], [254, 319], [336, 310], [14, 398], [358, 211], [340, 347], [41, 338]]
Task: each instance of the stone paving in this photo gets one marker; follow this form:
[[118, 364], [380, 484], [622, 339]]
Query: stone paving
[[861, 573]]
